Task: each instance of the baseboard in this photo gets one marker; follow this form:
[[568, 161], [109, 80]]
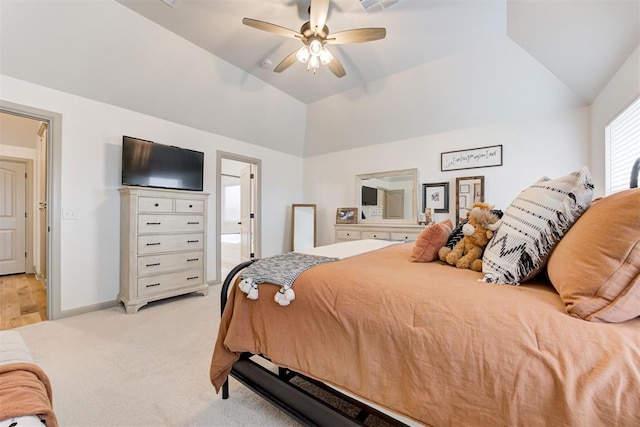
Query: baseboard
[[87, 309]]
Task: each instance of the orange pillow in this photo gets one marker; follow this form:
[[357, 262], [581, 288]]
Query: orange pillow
[[430, 240], [596, 266]]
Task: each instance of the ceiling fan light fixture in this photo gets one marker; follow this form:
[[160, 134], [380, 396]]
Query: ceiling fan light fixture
[[313, 63], [325, 56], [303, 54], [315, 47]]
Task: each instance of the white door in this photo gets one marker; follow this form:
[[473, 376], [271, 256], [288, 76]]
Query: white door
[[247, 204], [12, 218]]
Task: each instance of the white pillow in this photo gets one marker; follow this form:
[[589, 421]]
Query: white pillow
[[533, 224]]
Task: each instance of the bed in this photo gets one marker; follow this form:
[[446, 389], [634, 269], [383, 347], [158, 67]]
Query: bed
[[438, 346]]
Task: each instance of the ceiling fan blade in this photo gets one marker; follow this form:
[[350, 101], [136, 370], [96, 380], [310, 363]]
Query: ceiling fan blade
[[359, 35], [271, 28], [318, 14], [336, 68], [286, 62]]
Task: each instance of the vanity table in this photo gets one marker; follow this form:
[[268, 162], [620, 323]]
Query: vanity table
[[404, 232]]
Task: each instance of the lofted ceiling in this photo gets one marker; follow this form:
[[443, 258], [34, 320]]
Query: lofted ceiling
[[582, 42]]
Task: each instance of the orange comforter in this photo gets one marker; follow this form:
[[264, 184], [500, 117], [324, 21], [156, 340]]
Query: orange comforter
[[25, 390], [431, 342]]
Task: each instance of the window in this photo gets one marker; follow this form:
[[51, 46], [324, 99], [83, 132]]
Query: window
[[622, 147]]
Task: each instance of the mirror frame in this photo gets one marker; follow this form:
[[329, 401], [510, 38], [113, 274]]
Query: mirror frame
[[293, 223], [413, 173], [476, 197]]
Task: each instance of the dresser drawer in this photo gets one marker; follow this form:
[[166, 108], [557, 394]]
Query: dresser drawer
[[376, 235], [157, 264], [404, 236], [154, 244], [167, 282], [155, 204], [348, 235], [170, 223], [185, 206]]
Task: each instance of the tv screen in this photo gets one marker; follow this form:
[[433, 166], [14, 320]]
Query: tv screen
[[149, 164], [369, 196]]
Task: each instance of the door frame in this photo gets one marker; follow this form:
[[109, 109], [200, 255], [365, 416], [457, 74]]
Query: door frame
[[258, 208], [54, 181]]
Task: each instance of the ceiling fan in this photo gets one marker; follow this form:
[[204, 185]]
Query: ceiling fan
[[315, 35]]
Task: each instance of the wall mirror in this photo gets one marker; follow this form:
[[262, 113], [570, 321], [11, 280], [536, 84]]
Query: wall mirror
[[303, 233], [388, 196], [469, 190]]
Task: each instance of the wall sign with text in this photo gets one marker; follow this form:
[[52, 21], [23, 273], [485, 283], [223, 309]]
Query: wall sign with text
[[482, 157]]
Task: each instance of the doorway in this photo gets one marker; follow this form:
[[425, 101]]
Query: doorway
[[51, 157], [238, 211], [23, 235]]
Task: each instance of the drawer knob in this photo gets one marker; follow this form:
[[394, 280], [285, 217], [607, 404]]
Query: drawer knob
[[153, 244], [156, 204], [192, 241], [190, 206], [152, 285], [154, 223], [155, 264], [192, 259], [192, 277], [193, 222]]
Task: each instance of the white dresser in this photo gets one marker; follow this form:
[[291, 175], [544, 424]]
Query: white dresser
[[162, 244], [406, 232]]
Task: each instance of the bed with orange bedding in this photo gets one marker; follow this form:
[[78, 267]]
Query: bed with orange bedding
[[436, 345]]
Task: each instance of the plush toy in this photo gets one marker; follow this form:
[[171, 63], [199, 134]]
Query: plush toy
[[467, 253]]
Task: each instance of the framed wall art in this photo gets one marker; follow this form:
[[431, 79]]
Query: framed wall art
[[482, 157], [347, 216], [436, 197]]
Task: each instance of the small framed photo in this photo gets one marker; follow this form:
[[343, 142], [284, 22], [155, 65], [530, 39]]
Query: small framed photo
[[436, 197], [347, 216]]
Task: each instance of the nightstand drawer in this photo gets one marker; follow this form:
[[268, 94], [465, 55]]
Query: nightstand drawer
[[154, 244], [185, 206], [155, 204], [348, 235], [376, 235], [157, 264], [170, 223], [167, 282]]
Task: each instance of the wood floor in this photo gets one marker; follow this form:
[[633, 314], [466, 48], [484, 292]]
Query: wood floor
[[23, 301]]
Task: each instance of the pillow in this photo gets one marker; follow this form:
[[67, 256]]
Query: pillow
[[533, 224], [596, 267], [430, 240], [457, 235]]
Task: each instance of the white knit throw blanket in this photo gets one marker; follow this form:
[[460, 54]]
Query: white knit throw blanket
[[279, 270]]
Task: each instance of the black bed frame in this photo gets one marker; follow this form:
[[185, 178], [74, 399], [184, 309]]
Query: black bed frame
[[289, 397]]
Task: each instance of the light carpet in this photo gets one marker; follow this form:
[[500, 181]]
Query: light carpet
[[151, 368]]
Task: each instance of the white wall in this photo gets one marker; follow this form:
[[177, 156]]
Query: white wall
[[91, 156], [492, 83], [553, 145], [621, 90]]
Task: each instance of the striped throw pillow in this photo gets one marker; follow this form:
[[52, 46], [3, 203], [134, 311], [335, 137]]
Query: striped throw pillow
[[533, 224]]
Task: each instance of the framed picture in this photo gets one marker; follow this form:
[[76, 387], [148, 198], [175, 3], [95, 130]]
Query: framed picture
[[347, 216], [482, 157], [436, 197]]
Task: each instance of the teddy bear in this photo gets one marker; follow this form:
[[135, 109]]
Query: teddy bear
[[467, 253]]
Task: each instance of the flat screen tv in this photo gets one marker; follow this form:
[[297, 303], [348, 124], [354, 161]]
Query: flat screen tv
[[369, 196], [149, 164]]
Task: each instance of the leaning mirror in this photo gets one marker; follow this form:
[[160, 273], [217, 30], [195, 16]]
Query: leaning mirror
[[469, 190], [303, 234], [387, 196]]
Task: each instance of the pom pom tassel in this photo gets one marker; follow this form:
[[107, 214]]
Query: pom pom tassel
[[253, 292], [289, 294], [281, 298], [245, 285]]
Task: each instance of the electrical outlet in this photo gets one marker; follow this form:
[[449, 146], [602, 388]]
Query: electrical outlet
[[69, 214]]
